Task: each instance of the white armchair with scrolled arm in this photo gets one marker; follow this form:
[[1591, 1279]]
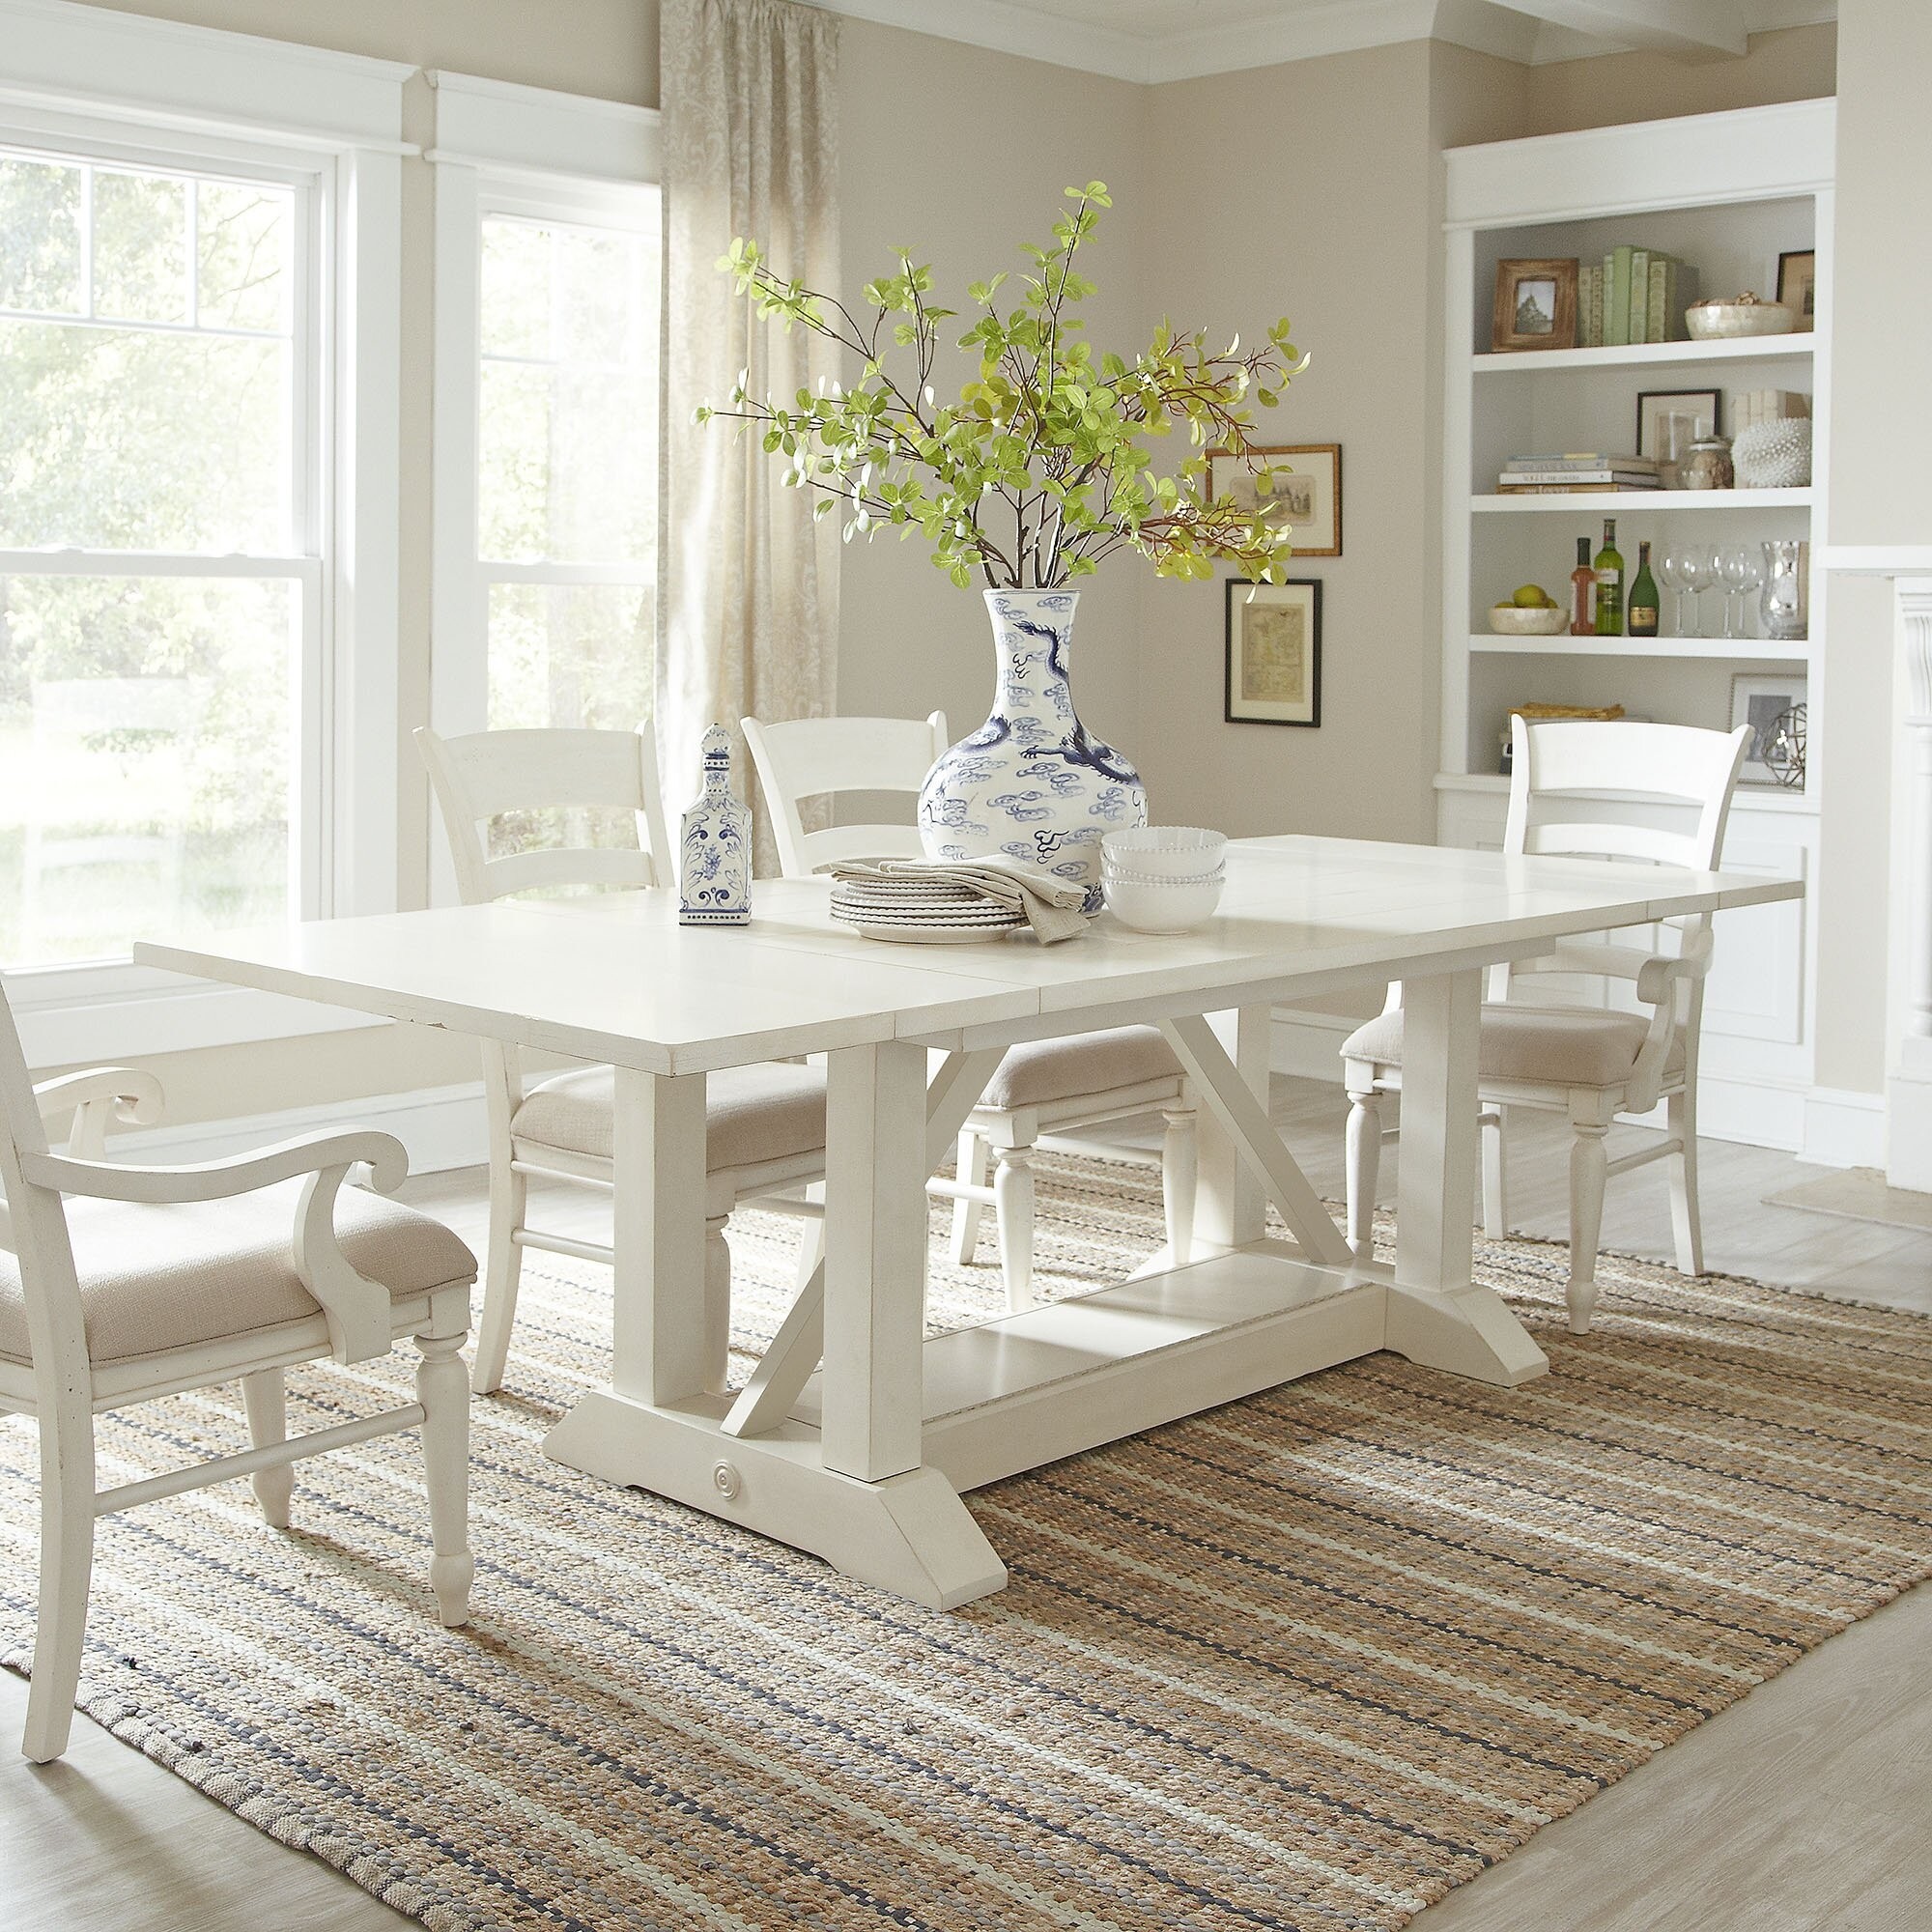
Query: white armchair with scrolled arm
[[123, 1283]]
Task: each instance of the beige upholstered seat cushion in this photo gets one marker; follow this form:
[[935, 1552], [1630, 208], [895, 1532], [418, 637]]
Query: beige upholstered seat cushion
[[1046, 1070], [752, 1114], [1565, 1046], [157, 1278]]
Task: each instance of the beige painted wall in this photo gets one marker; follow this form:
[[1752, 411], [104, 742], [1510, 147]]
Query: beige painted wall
[[1313, 189], [1794, 64], [1882, 400]]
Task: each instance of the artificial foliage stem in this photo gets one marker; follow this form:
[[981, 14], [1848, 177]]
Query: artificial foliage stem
[[1047, 436]]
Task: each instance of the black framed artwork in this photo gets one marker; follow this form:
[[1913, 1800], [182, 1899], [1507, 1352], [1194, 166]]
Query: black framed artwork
[[1275, 652]]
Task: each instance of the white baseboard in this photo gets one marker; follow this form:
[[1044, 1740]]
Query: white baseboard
[[441, 1126], [1843, 1129]]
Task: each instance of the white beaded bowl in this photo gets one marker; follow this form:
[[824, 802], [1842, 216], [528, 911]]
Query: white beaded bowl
[[1163, 905], [1165, 852], [1533, 620]]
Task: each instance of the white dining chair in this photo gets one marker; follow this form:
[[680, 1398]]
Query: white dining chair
[[1061, 1089], [124, 1284], [1590, 1063], [765, 1124]]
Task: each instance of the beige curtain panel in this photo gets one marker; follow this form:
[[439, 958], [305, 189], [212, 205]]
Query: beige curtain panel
[[748, 583]]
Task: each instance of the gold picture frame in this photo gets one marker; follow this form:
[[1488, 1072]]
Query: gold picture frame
[[1274, 653], [1302, 487]]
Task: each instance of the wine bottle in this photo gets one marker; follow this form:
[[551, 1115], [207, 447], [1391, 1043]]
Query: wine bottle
[[1609, 569], [1642, 616], [1582, 593]]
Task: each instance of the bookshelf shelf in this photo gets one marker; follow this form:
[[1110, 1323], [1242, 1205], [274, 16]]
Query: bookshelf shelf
[[1710, 650], [1797, 347], [1645, 502]]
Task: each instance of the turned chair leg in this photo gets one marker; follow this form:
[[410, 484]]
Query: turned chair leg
[[1364, 1165], [1012, 1209], [1686, 1222], [1495, 1174], [264, 1398], [503, 1271], [1588, 1158], [1180, 1178], [971, 1171], [716, 1304], [67, 1568], [444, 1390]]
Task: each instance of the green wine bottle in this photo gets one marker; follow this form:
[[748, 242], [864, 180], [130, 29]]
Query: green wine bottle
[[1609, 569], [1643, 597]]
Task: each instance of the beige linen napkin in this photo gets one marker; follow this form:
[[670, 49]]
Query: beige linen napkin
[[1052, 906]]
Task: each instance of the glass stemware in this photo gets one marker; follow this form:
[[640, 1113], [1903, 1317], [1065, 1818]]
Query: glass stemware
[[1671, 573], [1741, 571], [1700, 571]]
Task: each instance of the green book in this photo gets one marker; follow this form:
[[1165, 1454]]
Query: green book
[[1617, 298], [1639, 295], [1663, 298]]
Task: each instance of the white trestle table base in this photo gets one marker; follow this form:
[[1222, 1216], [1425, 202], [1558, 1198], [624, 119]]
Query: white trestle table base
[[856, 1437]]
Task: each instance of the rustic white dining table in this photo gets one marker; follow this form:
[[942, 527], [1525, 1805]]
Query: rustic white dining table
[[856, 1437]]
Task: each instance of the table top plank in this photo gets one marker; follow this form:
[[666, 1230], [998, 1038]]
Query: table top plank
[[630, 987]]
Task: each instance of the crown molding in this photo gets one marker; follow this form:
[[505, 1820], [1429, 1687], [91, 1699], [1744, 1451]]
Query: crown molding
[[1305, 33]]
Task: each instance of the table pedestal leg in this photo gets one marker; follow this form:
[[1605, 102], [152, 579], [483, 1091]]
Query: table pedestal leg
[[1437, 1315]]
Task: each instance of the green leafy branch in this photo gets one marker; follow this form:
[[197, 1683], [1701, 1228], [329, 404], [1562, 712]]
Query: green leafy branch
[[1044, 465]]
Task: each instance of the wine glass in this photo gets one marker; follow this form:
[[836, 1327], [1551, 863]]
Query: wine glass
[[1671, 573], [1700, 572], [1741, 571]]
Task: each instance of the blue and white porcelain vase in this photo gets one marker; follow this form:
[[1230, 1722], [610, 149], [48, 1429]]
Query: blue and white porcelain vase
[[1031, 782], [714, 872]]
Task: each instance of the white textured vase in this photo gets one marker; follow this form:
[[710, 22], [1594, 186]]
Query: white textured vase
[[1031, 782]]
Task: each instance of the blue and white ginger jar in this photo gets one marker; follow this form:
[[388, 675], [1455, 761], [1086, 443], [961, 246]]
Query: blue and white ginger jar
[[1031, 782]]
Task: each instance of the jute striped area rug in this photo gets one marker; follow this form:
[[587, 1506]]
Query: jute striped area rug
[[1307, 1662]]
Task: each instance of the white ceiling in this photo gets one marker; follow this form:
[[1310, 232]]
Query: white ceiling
[[1177, 39]]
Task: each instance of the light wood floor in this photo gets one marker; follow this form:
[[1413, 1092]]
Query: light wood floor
[[1804, 1806]]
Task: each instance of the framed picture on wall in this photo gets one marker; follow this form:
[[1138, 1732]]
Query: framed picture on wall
[[1797, 285], [1536, 305], [1300, 484], [1275, 652]]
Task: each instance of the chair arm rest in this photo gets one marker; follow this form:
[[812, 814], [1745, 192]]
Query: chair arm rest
[[1604, 960], [98, 1095], [359, 1312], [215, 1179]]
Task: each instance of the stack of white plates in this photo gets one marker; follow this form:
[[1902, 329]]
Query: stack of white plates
[[929, 912]]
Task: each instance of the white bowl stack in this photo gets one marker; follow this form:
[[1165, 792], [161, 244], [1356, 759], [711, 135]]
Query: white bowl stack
[[1163, 878]]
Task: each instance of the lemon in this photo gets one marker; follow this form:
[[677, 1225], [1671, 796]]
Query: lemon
[[1531, 597]]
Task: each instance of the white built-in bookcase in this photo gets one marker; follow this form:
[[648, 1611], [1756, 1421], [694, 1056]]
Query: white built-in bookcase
[[1726, 193]]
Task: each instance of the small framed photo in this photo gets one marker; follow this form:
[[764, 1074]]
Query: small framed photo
[[1796, 280], [1536, 305], [1299, 483], [1275, 652], [1774, 707], [1702, 414]]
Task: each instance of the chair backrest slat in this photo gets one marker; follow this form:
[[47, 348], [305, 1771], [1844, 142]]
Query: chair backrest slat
[[1671, 764], [480, 777], [818, 758]]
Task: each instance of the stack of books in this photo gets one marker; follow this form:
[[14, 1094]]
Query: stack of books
[[1590, 469], [1636, 295], [1756, 406]]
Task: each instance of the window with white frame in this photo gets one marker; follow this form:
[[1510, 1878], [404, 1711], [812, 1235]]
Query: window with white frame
[[161, 548], [548, 300], [566, 512]]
